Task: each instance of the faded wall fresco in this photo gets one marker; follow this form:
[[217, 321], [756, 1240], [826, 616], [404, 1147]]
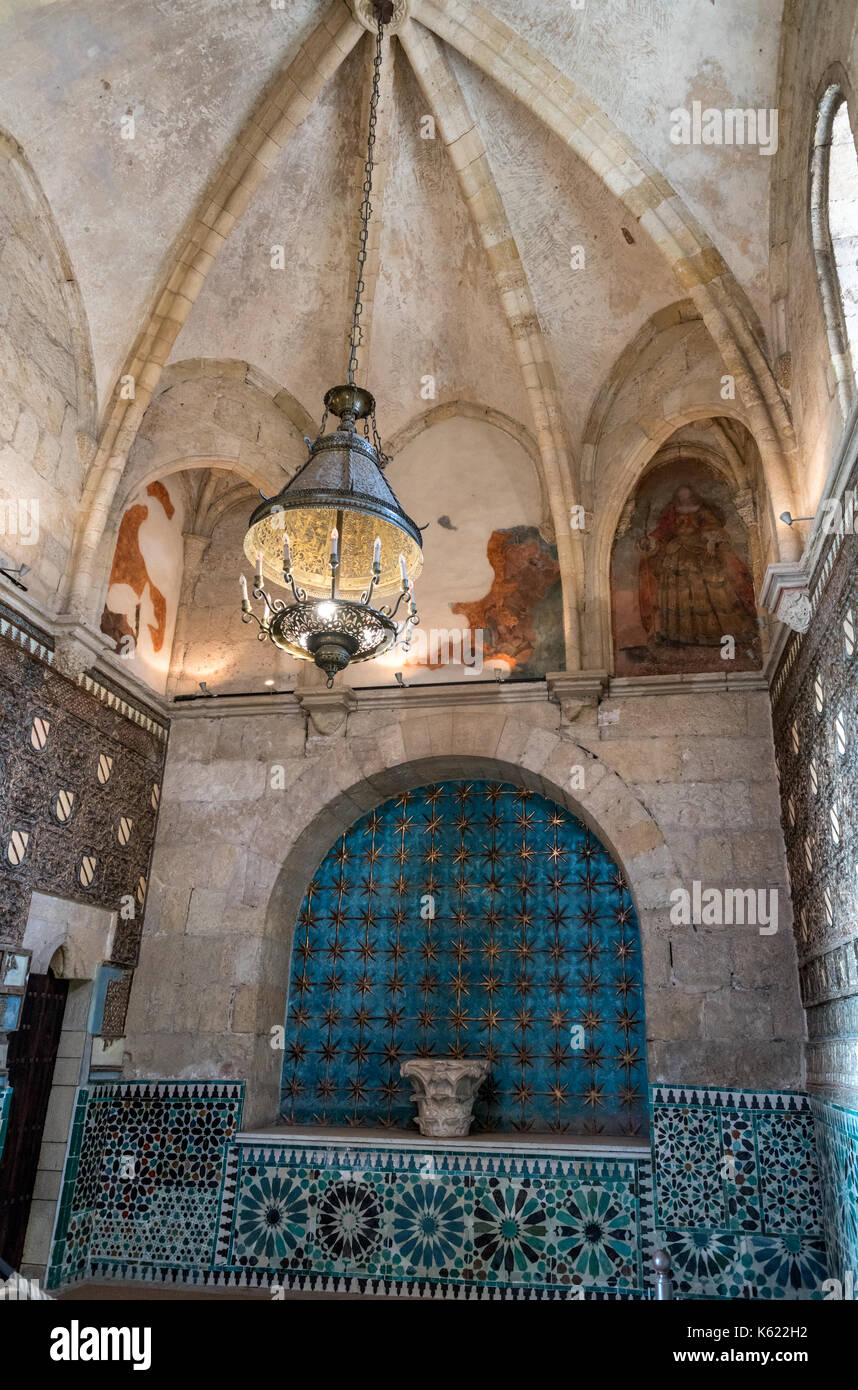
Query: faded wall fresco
[[145, 581], [521, 617], [681, 582]]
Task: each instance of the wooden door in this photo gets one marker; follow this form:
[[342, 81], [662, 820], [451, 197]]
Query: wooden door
[[32, 1056]]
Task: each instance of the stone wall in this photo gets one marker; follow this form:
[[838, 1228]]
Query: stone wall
[[42, 418], [680, 786]]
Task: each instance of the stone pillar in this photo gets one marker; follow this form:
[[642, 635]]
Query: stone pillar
[[195, 549]]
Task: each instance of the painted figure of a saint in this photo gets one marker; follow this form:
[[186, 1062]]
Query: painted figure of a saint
[[694, 588]]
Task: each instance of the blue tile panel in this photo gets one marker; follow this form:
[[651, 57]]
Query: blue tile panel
[[738, 1204], [143, 1176], [837, 1150], [532, 960], [299, 1214]]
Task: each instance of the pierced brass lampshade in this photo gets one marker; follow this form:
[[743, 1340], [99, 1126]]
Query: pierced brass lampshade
[[342, 487]]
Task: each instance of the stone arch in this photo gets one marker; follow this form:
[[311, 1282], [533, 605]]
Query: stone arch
[[427, 748], [608, 514], [828, 107], [237, 419]]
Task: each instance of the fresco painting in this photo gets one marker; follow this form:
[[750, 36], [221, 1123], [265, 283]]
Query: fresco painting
[[681, 586], [140, 611]]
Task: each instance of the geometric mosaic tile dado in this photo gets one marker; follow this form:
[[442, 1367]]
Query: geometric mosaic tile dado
[[143, 1177], [738, 1204], [158, 1186], [468, 919], [513, 1224], [837, 1151]]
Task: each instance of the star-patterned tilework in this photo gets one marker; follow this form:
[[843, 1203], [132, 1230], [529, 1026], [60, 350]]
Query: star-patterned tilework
[[737, 1193], [468, 919]]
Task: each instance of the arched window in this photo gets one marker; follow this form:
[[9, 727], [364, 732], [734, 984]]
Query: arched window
[[834, 223]]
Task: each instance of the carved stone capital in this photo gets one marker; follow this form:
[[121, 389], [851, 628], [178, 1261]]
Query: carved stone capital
[[444, 1090], [785, 594], [327, 710], [77, 647], [574, 690]]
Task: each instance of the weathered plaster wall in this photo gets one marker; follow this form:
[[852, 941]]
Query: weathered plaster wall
[[679, 787]]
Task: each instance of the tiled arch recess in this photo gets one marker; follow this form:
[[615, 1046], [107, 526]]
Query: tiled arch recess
[[532, 959]]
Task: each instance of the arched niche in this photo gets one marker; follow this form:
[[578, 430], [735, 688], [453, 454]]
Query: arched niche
[[682, 573], [468, 918], [504, 751]]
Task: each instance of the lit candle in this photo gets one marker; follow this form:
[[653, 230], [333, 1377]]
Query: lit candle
[[335, 540], [376, 554], [243, 582], [259, 569], [403, 570], [287, 557]]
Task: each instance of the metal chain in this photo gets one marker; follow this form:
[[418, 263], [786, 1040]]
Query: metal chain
[[356, 335]]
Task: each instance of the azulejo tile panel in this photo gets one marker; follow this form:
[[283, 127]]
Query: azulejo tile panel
[[158, 1186], [737, 1194], [468, 919], [451, 1221], [144, 1175], [837, 1146]]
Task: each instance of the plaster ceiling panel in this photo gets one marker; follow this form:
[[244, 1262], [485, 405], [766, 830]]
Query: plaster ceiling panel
[[189, 71], [437, 308], [556, 205], [638, 60], [293, 322]]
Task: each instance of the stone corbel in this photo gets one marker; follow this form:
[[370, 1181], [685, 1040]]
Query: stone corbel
[[77, 647], [327, 710], [573, 690], [785, 594]]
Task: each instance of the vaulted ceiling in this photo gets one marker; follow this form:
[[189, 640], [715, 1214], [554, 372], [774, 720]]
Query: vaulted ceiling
[[195, 70], [544, 260]]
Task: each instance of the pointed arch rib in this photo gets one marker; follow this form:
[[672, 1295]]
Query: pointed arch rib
[[467, 151]]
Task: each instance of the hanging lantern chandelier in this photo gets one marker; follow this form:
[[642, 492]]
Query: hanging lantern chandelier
[[336, 535]]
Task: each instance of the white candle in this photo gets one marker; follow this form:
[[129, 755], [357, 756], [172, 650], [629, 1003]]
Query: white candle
[[243, 582], [403, 570], [376, 553], [287, 557], [259, 569]]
